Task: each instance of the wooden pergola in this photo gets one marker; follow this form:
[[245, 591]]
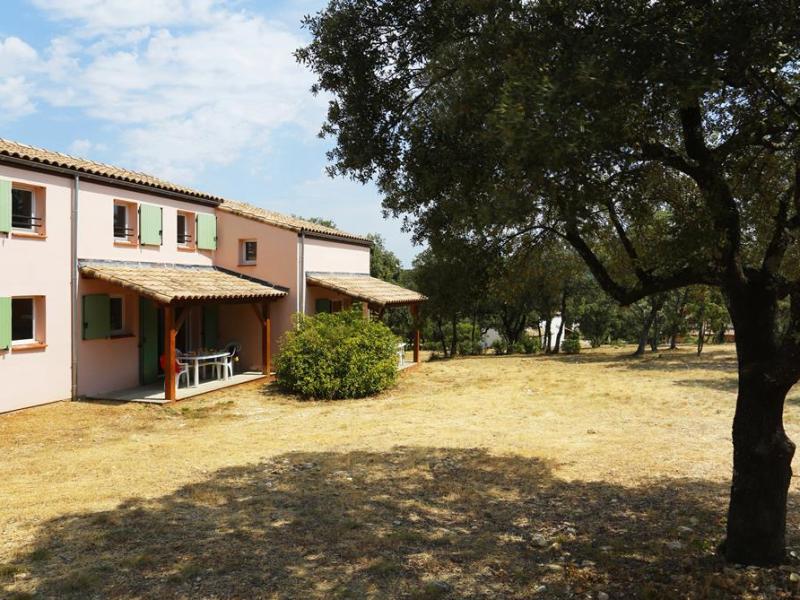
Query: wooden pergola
[[375, 294], [175, 287]]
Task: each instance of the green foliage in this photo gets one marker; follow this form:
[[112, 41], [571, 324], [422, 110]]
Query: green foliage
[[340, 355], [572, 344], [530, 344], [383, 263]]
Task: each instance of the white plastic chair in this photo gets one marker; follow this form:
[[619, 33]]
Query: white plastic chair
[[233, 349], [401, 355], [184, 370]]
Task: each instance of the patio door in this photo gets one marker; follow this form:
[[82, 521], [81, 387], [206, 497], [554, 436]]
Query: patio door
[[148, 341]]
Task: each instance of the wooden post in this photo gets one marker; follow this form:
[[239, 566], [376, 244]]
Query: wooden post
[[365, 308], [415, 315], [266, 342], [169, 353]]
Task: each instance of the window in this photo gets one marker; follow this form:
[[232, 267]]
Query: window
[[23, 321], [117, 312], [23, 209], [185, 225], [248, 252], [123, 223]]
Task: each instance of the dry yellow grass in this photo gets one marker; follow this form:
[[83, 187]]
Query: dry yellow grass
[[480, 477]]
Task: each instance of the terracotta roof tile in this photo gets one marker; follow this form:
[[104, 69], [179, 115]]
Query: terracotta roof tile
[[263, 215], [57, 159]]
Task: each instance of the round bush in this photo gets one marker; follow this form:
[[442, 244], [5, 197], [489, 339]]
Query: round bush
[[572, 344], [340, 355]]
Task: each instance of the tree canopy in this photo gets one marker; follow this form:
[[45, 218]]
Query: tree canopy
[[660, 139]]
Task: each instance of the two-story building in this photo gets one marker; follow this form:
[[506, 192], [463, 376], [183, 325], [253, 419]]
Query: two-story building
[[111, 275]]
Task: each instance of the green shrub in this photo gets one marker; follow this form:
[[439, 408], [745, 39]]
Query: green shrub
[[500, 346], [572, 343], [340, 355], [530, 343]]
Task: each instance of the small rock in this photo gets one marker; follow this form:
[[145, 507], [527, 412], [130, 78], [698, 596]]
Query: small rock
[[602, 596], [588, 563], [539, 540], [794, 577], [439, 586], [591, 431], [554, 567], [674, 545], [685, 529], [540, 589]]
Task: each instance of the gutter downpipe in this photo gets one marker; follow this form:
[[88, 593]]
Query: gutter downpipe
[[73, 284], [302, 283]]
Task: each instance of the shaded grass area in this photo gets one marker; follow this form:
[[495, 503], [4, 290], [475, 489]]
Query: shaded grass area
[[413, 522]]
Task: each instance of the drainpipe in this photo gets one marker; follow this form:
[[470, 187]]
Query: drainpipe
[[73, 286], [302, 285]]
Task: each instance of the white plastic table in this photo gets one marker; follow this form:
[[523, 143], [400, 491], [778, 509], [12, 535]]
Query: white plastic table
[[194, 361]]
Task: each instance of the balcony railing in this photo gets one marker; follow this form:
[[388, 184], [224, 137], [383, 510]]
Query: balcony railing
[[123, 233], [184, 238], [25, 221]]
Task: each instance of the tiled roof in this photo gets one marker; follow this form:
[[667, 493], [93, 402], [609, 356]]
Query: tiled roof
[[172, 283], [364, 287], [255, 213], [57, 159]]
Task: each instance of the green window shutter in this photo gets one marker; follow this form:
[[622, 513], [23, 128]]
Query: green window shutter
[[150, 228], [323, 305], [5, 323], [206, 232], [5, 206], [96, 316], [210, 326]]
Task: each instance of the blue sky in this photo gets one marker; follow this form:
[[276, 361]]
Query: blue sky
[[201, 92]]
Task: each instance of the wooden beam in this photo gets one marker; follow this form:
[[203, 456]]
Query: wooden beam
[[169, 353], [365, 309], [415, 315], [182, 319], [266, 341], [257, 310]]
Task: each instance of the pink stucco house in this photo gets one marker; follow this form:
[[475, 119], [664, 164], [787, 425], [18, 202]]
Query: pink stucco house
[[110, 274]]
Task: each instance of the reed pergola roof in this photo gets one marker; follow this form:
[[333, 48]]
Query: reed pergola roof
[[366, 288], [169, 284]]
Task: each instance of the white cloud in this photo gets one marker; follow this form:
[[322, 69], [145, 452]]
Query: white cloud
[[187, 84], [15, 56], [15, 97], [97, 15], [83, 147]]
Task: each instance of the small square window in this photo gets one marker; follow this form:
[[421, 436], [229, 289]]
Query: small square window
[[249, 252], [23, 209], [117, 311], [185, 231], [23, 320], [124, 223]]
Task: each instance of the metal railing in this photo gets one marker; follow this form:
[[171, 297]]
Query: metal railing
[[123, 233], [184, 238], [25, 221]]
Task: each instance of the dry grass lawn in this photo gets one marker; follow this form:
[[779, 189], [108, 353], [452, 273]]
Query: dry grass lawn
[[491, 477]]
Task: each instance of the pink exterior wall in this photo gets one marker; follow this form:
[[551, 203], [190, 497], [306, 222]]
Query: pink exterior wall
[[112, 364], [39, 267], [276, 262], [332, 257], [336, 257], [96, 227]]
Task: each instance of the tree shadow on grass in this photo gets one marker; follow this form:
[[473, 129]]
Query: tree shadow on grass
[[663, 360], [420, 523]]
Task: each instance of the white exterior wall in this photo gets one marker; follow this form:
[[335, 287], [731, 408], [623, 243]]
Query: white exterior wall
[[327, 256]]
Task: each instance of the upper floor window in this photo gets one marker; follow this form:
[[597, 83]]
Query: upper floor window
[[124, 222], [248, 252], [21, 209], [185, 229]]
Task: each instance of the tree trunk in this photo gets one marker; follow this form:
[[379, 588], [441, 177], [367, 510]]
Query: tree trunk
[[548, 324], [762, 452], [454, 339], [701, 338], [648, 322], [673, 341], [563, 325], [762, 456], [440, 328], [656, 334]]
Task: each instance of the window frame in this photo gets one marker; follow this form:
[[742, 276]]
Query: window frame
[[37, 210], [123, 330], [190, 229], [34, 318], [243, 261], [131, 223]]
